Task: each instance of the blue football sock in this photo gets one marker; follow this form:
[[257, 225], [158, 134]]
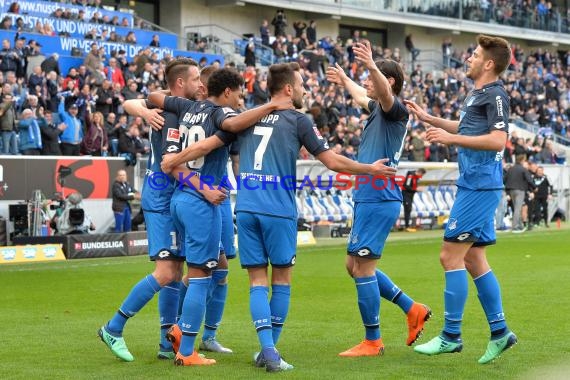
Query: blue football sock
[[489, 293], [139, 296], [455, 295], [279, 304], [167, 310], [215, 303], [369, 305], [391, 292], [182, 296], [261, 315], [193, 312]]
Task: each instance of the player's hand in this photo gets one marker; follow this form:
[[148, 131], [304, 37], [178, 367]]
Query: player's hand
[[438, 135], [363, 53], [380, 169], [214, 196], [335, 74], [282, 104], [417, 111], [167, 165], [154, 118]]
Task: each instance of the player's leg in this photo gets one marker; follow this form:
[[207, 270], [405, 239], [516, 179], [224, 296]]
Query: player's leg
[[218, 291], [489, 293], [280, 240], [364, 249], [215, 304], [165, 273], [463, 229], [202, 250]]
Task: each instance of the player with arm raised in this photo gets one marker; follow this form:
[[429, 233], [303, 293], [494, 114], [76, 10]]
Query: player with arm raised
[[266, 209], [480, 134], [183, 80], [383, 137]]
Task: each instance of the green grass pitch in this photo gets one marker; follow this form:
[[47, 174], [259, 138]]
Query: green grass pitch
[[50, 314]]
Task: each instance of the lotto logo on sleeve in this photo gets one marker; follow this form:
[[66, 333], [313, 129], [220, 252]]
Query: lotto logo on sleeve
[[173, 135]]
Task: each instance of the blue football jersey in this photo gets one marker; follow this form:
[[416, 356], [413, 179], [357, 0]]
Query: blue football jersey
[[268, 157], [383, 137], [484, 110], [198, 121], [156, 194]]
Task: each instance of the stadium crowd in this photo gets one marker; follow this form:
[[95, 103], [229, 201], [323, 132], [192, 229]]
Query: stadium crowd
[[80, 112]]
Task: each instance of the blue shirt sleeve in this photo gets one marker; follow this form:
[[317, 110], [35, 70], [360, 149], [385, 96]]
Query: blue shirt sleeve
[[176, 104], [498, 111], [310, 136], [171, 141], [219, 115], [398, 112]]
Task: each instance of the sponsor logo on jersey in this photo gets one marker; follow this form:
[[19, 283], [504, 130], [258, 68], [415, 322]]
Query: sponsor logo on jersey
[[499, 106], [173, 135], [317, 133], [499, 125], [463, 236], [452, 224]]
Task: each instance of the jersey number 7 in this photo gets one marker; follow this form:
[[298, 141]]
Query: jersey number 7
[[265, 133]]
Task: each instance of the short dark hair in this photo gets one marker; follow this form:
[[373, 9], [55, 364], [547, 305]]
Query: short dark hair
[[392, 69], [496, 49], [280, 75], [222, 79], [205, 74], [178, 68]]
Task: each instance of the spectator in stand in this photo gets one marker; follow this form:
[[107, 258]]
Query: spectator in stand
[[260, 92], [131, 38], [412, 49], [36, 79], [8, 58], [8, 124], [52, 90], [93, 59], [50, 64], [6, 23], [130, 145], [95, 142], [264, 32], [115, 21], [125, 23], [447, 51], [96, 18], [22, 27], [104, 101], [155, 41], [30, 135], [73, 133], [312, 32], [279, 22], [130, 91], [50, 132], [114, 74], [14, 8], [250, 54], [299, 27]]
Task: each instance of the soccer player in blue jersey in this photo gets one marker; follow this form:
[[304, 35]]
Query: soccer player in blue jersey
[[480, 134], [374, 204], [266, 210], [190, 210], [183, 79]]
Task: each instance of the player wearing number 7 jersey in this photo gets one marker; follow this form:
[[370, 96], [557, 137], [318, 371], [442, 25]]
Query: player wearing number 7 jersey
[[190, 210], [266, 210]]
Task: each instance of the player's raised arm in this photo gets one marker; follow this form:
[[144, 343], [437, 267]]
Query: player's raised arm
[[191, 153], [158, 98], [138, 107], [246, 119], [451, 126], [336, 74], [339, 163], [381, 84]]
